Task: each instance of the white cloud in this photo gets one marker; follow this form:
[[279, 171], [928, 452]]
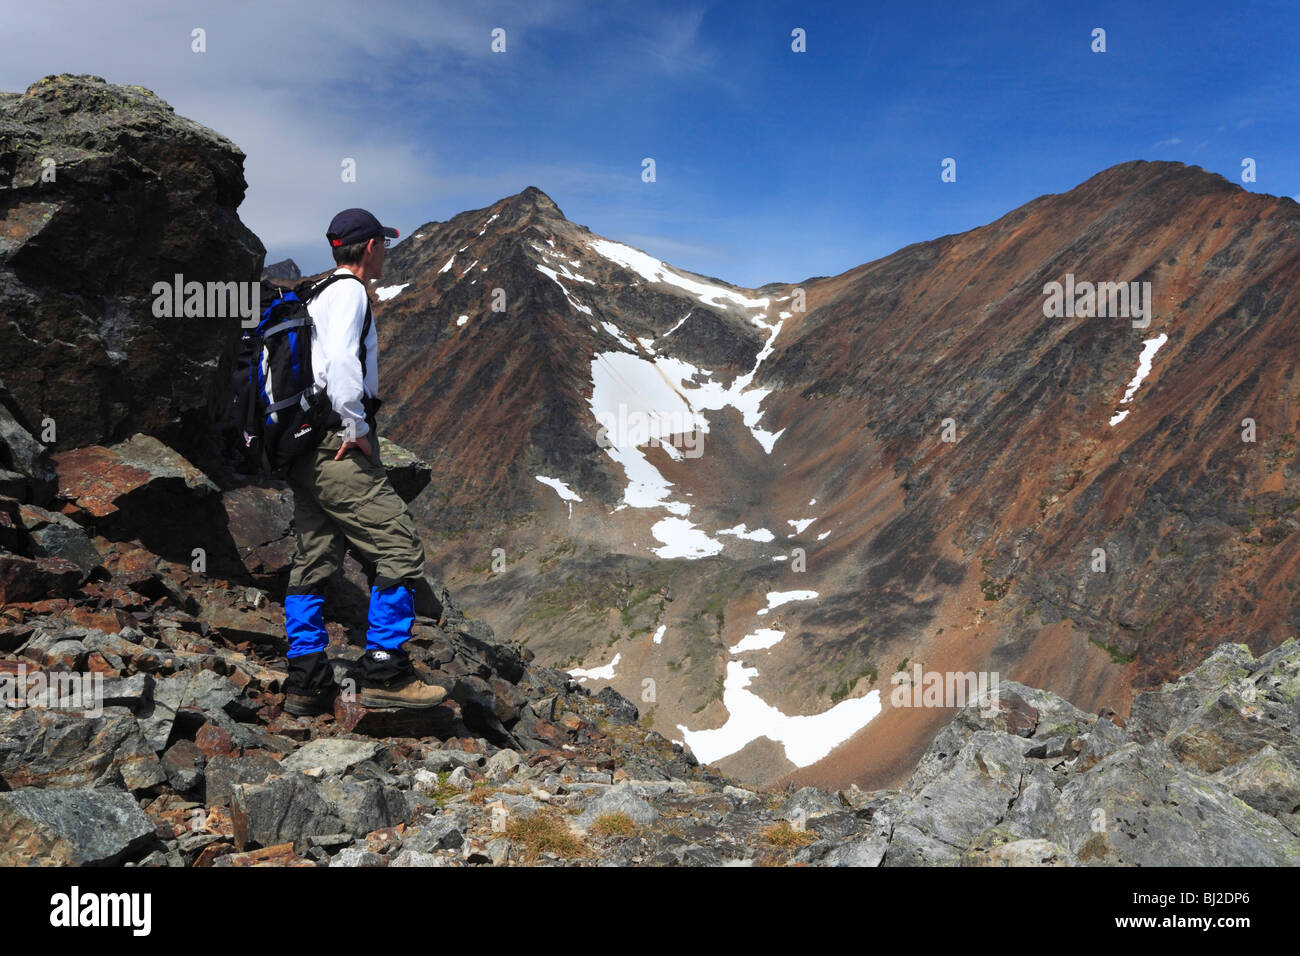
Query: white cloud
[[300, 86]]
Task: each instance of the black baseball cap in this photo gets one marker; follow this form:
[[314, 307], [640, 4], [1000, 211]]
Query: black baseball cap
[[356, 225]]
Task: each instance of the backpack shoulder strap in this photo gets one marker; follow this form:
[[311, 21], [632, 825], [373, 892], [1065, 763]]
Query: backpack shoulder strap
[[329, 280], [365, 332], [308, 291]]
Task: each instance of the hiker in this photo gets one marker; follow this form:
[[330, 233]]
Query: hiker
[[342, 496]]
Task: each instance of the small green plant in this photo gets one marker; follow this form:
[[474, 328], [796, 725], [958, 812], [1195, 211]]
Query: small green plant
[[1116, 655], [443, 791]]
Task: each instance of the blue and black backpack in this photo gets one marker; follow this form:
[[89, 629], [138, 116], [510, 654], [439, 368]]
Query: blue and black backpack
[[277, 408]]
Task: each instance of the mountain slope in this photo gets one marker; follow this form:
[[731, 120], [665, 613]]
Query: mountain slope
[[976, 553]]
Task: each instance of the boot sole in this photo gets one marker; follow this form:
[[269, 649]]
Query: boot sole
[[367, 700], [308, 710]]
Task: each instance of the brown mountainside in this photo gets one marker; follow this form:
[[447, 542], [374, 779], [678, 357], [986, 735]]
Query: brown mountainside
[[971, 553]]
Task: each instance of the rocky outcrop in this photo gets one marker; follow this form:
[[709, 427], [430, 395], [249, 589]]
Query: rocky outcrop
[[286, 270], [1075, 788], [105, 191]]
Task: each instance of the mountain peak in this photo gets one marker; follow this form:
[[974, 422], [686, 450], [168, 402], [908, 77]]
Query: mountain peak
[[533, 198]]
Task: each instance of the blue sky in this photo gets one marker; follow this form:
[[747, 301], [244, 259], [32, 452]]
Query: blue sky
[[771, 165]]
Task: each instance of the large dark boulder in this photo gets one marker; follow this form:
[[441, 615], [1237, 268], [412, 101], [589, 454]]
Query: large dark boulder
[[26, 471], [105, 191]]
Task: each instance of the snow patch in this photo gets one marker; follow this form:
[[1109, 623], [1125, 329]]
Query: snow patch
[[654, 270], [561, 489], [776, 598], [566, 494], [681, 539], [806, 739], [387, 292], [759, 640], [1149, 349], [596, 673], [758, 534], [615, 331], [555, 278], [679, 323]]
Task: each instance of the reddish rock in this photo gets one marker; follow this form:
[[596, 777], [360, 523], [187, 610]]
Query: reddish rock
[[262, 627], [213, 851], [385, 839], [1021, 718], [96, 664], [50, 606], [212, 740], [142, 490], [94, 478], [546, 731], [108, 620], [31, 579], [279, 855]]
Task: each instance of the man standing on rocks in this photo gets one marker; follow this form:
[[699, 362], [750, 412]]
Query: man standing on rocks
[[342, 496]]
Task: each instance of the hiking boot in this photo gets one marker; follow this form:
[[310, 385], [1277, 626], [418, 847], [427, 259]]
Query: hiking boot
[[311, 703], [309, 688], [389, 680], [412, 693]]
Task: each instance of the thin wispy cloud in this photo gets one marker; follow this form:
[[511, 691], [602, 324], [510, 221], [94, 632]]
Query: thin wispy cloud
[[770, 164]]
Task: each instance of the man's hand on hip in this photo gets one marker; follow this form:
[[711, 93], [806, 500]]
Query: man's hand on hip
[[347, 446]]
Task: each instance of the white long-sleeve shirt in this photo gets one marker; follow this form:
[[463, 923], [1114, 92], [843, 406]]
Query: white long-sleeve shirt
[[338, 315]]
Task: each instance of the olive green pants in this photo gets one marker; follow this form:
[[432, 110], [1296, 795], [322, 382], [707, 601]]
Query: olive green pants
[[344, 503]]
